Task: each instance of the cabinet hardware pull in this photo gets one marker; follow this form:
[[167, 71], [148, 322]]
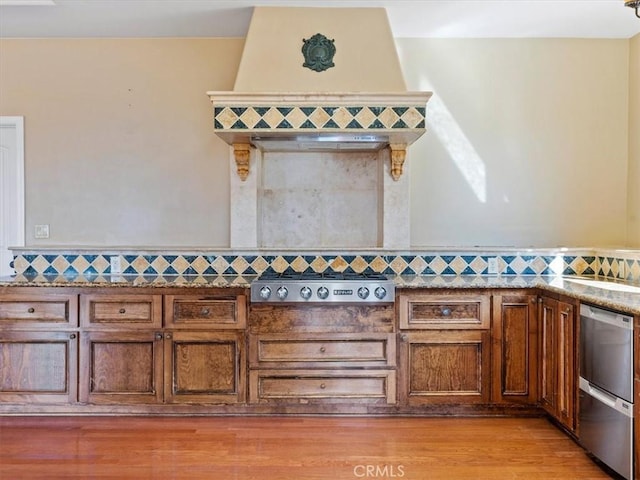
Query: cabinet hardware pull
[[72, 336], [446, 312], [122, 310], [31, 310], [404, 337], [168, 335], [322, 349], [205, 311], [323, 386], [158, 336]]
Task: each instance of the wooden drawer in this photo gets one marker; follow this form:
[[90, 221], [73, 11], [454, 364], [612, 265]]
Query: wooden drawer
[[191, 311], [338, 350], [444, 312], [118, 311], [322, 386], [39, 311]]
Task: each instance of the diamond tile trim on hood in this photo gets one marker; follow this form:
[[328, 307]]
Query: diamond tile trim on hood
[[426, 263]]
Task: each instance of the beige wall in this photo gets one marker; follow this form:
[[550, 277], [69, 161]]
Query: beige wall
[[633, 204], [529, 147], [119, 142], [527, 141]]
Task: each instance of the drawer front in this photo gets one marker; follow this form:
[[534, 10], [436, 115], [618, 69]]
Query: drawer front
[[275, 351], [191, 311], [323, 386], [43, 311], [442, 312], [117, 311]]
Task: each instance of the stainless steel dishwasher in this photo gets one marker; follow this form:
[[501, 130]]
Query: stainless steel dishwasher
[[606, 387]]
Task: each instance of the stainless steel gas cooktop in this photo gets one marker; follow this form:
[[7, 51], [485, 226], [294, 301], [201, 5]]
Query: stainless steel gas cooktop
[[327, 287]]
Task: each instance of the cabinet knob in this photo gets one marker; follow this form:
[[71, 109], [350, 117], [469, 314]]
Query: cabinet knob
[[31, 310], [167, 335], [404, 337], [323, 386], [122, 310], [205, 312], [72, 336], [322, 349], [158, 336], [446, 312]]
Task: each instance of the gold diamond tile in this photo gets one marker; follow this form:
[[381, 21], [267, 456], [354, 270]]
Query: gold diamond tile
[[438, 265], [100, 264], [365, 117], [259, 264], [39, 264], [359, 264], [20, 264], [160, 264], [579, 265], [250, 117], [342, 117], [388, 117], [418, 265], [273, 117], [339, 264], [200, 264], [635, 271], [279, 264], [538, 265], [378, 265], [319, 265], [180, 264], [299, 265], [60, 264], [80, 264], [227, 118], [458, 265], [398, 264], [140, 264], [478, 265], [296, 117], [219, 265], [239, 264], [319, 117], [412, 118]]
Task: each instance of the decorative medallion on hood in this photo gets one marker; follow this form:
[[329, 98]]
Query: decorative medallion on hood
[[318, 52]]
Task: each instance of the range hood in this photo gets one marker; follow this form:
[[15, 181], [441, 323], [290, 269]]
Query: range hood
[[359, 102]]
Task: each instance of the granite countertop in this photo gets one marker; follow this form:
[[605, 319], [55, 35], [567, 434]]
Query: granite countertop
[[596, 290]]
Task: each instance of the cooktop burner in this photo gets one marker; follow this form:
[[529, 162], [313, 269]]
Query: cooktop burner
[[335, 287]]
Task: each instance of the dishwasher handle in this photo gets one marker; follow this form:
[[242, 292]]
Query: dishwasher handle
[[609, 400]]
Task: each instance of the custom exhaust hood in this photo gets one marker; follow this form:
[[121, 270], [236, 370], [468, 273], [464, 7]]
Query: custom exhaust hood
[[319, 80]]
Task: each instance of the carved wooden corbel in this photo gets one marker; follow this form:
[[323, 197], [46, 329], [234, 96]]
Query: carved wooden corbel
[[241, 153], [398, 155]]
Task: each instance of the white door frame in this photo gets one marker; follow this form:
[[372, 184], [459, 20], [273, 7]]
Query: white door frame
[[12, 215]]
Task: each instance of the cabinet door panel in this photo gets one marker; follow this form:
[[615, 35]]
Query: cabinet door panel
[[205, 311], [445, 367], [205, 367], [121, 367], [38, 367], [515, 348], [120, 311]]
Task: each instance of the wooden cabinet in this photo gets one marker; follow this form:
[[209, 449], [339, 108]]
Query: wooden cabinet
[[558, 372], [305, 355], [204, 367], [444, 348], [121, 311], [209, 311], [514, 336], [38, 367], [38, 346]]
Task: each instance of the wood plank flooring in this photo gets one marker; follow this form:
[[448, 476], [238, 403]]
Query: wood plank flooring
[[300, 448]]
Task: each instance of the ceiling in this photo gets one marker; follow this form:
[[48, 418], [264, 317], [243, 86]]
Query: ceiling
[[230, 18]]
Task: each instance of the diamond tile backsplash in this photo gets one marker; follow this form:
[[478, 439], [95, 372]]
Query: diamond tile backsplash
[[424, 263]]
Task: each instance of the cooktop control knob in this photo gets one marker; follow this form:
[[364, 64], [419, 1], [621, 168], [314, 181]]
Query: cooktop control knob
[[305, 292], [380, 293], [323, 293], [282, 293], [265, 293], [363, 292]]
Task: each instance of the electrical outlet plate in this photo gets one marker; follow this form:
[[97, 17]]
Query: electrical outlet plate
[[621, 269], [492, 265], [41, 231], [115, 265]]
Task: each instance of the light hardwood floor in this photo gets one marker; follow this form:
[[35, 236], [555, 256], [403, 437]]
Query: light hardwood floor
[[301, 448]]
